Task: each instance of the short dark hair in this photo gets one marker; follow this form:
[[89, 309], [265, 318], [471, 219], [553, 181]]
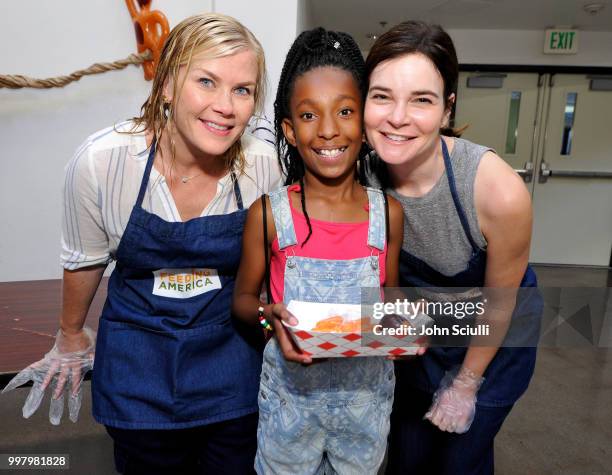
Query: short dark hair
[[434, 43], [418, 37]]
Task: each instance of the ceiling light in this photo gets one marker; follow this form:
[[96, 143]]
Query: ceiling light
[[593, 8]]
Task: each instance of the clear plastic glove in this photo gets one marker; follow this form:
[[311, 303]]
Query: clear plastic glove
[[454, 403], [63, 368]]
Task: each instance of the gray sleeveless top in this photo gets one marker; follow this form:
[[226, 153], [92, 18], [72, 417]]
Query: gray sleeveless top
[[432, 229]]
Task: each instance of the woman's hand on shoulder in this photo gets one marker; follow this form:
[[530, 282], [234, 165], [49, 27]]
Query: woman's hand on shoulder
[[503, 207]]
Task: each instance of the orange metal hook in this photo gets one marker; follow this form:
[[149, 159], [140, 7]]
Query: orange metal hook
[[151, 28]]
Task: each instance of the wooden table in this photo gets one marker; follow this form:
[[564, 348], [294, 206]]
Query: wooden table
[[29, 319]]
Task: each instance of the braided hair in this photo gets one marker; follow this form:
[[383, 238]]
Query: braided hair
[[314, 49]]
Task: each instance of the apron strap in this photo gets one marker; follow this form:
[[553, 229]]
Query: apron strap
[[147, 173], [237, 192], [453, 189]]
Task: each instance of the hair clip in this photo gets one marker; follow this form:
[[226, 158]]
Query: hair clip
[[337, 44]]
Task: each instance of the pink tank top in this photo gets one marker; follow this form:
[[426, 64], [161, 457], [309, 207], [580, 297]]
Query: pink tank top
[[329, 240]]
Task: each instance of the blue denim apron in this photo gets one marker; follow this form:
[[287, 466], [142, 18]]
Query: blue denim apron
[[339, 407], [509, 373], [164, 362]]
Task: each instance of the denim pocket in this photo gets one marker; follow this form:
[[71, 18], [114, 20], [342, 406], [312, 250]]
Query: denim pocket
[[268, 402], [326, 281], [325, 293], [279, 418]]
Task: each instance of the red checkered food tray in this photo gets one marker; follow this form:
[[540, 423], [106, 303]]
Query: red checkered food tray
[[326, 344]]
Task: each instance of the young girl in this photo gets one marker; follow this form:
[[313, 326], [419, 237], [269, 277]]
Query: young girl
[[327, 237]]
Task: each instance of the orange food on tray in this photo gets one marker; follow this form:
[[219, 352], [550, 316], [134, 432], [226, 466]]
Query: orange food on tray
[[352, 326], [338, 324], [330, 324]]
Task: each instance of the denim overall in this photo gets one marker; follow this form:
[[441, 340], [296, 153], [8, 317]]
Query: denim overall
[[506, 377], [331, 416], [170, 363]]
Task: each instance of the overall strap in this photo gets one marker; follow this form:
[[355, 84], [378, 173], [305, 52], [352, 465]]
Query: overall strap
[[147, 173], [237, 193], [453, 189], [386, 198], [377, 226], [283, 220]]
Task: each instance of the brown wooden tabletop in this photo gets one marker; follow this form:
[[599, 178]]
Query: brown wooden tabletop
[[29, 318]]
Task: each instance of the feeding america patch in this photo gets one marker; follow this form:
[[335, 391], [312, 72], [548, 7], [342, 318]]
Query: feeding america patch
[[185, 283]]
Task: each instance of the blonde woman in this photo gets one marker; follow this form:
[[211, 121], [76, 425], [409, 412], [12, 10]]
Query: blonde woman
[[165, 196]]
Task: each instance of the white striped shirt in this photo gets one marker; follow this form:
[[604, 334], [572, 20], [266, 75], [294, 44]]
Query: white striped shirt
[[102, 183], [261, 127]]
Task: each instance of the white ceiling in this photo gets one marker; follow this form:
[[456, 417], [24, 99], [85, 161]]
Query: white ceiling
[[360, 17]]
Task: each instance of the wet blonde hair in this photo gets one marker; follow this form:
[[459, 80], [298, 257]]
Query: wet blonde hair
[[207, 36]]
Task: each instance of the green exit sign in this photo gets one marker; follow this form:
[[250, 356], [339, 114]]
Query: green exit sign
[[559, 41]]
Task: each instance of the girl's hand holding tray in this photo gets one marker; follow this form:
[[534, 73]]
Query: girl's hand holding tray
[[281, 319], [340, 330]]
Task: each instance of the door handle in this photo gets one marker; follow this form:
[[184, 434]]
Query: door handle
[[527, 172], [546, 173]]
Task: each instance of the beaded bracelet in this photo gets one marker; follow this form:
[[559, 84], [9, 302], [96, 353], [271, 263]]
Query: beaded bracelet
[[262, 319]]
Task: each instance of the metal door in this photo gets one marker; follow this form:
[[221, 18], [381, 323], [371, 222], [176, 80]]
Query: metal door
[[572, 196], [500, 110], [554, 131]]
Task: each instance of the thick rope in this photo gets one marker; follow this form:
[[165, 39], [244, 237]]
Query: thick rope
[[13, 81]]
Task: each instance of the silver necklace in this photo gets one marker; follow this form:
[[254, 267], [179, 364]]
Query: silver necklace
[[185, 179]]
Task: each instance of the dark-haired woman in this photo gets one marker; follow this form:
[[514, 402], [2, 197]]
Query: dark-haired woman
[[467, 224]]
